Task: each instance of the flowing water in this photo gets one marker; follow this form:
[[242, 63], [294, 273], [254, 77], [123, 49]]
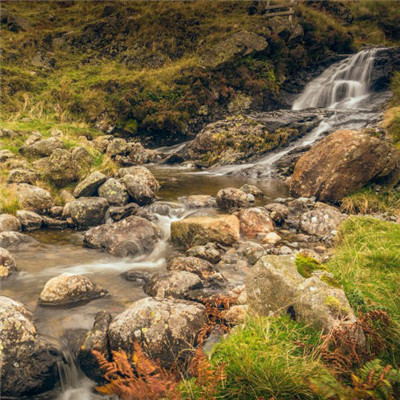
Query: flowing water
[[343, 88]]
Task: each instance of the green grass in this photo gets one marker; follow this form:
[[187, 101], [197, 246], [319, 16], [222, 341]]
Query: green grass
[[269, 358], [9, 203], [367, 264]]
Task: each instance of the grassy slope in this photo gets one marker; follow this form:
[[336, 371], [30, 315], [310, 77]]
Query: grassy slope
[[143, 71]]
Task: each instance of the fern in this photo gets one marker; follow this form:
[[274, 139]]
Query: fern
[[138, 378]]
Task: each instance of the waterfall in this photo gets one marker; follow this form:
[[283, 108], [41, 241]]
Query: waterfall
[[342, 86]]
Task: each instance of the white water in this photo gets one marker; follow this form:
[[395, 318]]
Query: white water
[[343, 87]]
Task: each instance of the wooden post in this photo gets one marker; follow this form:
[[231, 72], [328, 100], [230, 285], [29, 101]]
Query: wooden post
[[291, 10]]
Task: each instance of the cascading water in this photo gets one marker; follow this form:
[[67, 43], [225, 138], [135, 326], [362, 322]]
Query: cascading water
[[344, 88]]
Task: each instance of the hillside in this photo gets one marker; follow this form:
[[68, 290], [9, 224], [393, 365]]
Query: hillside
[[160, 71]]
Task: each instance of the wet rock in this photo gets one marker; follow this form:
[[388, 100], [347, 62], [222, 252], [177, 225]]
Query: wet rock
[[134, 275], [175, 284], [253, 190], [114, 192], [87, 211], [20, 175], [28, 361], [129, 237], [223, 229], [33, 198], [138, 189], [9, 223], [255, 221], [30, 221], [210, 252], [54, 223], [67, 289], [278, 212], [167, 208], [95, 339], [231, 199], [166, 328], [194, 265], [275, 285], [88, 187], [322, 220], [145, 176], [119, 213], [15, 240], [344, 162], [41, 148], [8, 265], [200, 201], [60, 168]]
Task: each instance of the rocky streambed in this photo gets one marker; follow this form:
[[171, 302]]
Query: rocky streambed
[[135, 254]]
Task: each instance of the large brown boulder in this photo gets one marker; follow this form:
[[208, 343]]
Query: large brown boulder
[[344, 162], [166, 328]]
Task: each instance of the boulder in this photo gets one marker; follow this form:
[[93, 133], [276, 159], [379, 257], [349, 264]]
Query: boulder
[[66, 196], [231, 199], [175, 284], [41, 148], [129, 237], [95, 339], [29, 220], [118, 213], [54, 223], [195, 265], [88, 187], [278, 212], [137, 187], [344, 162], [60, 168], [137, 154], [15, 241], [253, 190], [116, 147], [255, 221], [272, 238], [6, 155], [28, 362], [87, 211], [33, 198], [188, 232], [67, 289], [237, 44], [144, 174], [82, 157], [9, 222], [114, 192], [7, 264], [210, 252], [200, 201], [20, 175], [167, 329], [274, 285], [322, 220], [237, 314]]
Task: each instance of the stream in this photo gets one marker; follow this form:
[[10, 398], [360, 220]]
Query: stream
[[343, 88]]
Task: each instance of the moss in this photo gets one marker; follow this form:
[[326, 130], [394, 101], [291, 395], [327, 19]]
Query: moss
[[330, 280], [307, 265], [334, 304]]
